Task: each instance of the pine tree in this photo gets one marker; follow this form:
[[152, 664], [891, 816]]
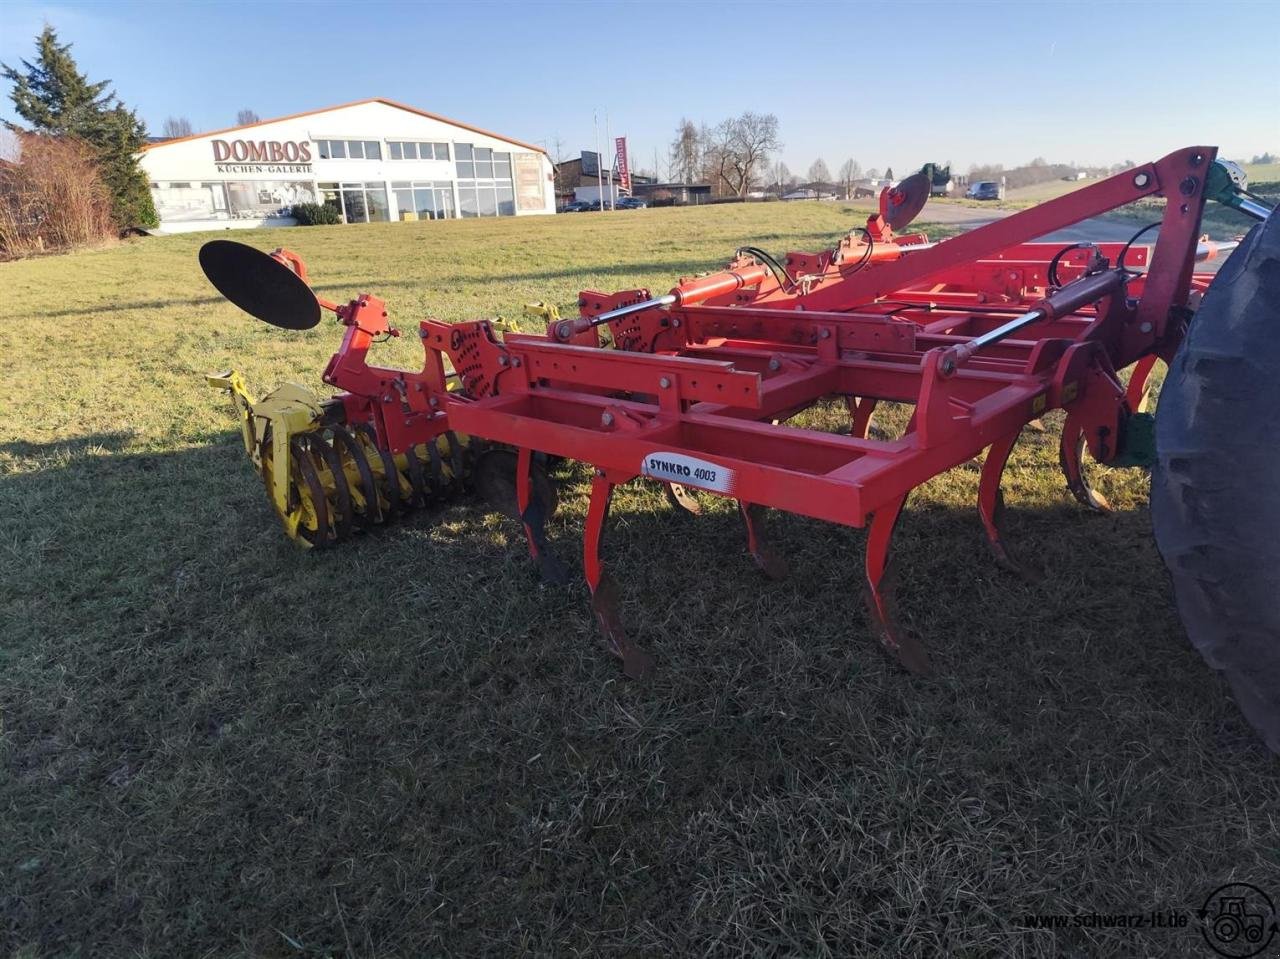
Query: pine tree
[[56, 99]]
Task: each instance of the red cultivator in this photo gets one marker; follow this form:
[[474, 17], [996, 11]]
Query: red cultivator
[[981, 334]]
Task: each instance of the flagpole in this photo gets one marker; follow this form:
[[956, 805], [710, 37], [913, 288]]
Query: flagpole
[[595, 116], [608, 138]]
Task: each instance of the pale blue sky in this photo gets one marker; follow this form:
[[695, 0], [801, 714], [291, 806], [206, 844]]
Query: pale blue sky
[[897, 84]]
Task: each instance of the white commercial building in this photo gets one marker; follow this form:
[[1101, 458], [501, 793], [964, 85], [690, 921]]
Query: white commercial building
[[373, 160]]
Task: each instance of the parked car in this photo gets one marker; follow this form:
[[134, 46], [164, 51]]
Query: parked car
[[984, 190], [631, 203], [578, 206]]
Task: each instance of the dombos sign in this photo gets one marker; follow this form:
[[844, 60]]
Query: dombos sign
[[262, 156]]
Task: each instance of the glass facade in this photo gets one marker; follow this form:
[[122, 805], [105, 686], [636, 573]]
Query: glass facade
[[358, 202], [230, 200], [486, 198], [484, 181], [430, 199]]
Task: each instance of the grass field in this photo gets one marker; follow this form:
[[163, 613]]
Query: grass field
[[215, 744]]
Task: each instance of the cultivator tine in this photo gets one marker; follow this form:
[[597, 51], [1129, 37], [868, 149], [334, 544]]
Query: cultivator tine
[[436, 466], [903, 646], [860, 411], [456, 460], [680, 498], [605, 602], [1070, 458], [534, 515], [417, 477], [1138, 393], [991, 499], [765, 556]]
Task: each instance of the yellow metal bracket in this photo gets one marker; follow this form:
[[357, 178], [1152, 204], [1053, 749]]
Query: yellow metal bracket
[[267, 427]]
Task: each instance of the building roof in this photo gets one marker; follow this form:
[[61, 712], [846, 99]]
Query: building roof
[[343, 106]]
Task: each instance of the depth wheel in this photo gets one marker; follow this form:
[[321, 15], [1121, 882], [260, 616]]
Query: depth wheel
[[1215, 488]]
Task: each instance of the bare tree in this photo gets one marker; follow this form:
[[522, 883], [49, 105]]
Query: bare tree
[[739, 150], [716, 164], [686, 153], [175, 127], [247, 116], [563, 181], [780, 175], [819, 175], [849, 171]]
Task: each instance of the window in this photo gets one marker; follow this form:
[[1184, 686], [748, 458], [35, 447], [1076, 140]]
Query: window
[[191, 201], [484, 181], [429, 199], [357, 202], [466, 164], [349, 149], [483, 163], [468, 205], [375, 200], [486, 198], [415, 150]]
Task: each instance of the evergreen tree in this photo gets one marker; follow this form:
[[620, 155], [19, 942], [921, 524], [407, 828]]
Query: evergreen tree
[[55, 98]]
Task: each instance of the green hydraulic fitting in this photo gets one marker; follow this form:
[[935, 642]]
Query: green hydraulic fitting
[[1227, 183]]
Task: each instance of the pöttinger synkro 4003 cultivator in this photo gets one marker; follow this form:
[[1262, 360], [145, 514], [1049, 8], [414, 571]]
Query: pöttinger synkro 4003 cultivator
[[981, 334]]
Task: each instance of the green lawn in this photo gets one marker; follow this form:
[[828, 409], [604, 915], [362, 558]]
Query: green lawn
[[215, 744]]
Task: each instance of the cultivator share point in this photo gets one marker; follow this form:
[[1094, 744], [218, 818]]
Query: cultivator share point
[[693, 388]]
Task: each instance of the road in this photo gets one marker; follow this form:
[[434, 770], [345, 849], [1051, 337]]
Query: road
[[1099, 229]]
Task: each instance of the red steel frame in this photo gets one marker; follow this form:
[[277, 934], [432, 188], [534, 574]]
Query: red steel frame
[[698, 390]]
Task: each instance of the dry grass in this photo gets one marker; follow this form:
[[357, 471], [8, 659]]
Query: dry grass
[[52, 198], [216, 745]]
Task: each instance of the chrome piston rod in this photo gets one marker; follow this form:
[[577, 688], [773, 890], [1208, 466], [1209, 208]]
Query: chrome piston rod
[[567, 328]]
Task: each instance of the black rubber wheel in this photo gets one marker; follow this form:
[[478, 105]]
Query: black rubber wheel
[[1215, 488]]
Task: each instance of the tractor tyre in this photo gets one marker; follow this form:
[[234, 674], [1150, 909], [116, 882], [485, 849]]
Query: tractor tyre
[[1215, 487]]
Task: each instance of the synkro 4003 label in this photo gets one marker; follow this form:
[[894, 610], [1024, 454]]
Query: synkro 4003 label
[[688, 471]]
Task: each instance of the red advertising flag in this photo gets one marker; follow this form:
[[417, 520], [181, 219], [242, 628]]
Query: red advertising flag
[[624, 172]]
